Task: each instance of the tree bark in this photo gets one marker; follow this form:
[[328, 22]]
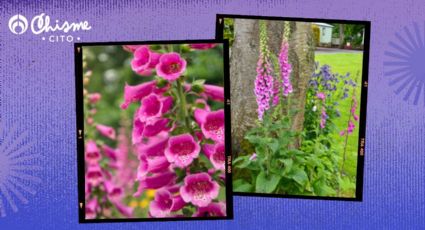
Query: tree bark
[[301, 57], [341, 36], [243, 62]]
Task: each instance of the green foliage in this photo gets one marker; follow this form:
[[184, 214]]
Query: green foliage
[[352, 33], [228, 32], [343, 63], [266, 183], [280, 168], [316, 34]]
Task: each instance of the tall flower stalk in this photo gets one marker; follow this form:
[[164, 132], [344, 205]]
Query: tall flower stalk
[[264, 81], [285, 66], [285, 86], [106, 180], [178, 137], [352, 117], [167, 159]]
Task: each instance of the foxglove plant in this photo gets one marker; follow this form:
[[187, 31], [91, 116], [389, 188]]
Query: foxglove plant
[[264, 86], [323, 116], [286, 69], [104, 189], [275, 158], [284, 85], [352, 117], [178, 138]]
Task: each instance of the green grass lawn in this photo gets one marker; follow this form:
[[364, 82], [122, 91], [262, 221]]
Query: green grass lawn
[[342, 63]]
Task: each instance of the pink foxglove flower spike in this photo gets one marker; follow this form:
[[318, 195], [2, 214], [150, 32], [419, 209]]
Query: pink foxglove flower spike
[[92, 154], [94, 175], [263, 86], [141, 60], [106, 131], [142, 130], [123, 209], [212, 210], [131, 48], [215, 93], [94, 97], [171, 66], [212, 123], [92, 208], [323, 118], [202, 46], [286, 70], [156, 181], [151, 165], [182, 150], [137, 92], [216, 154], [114, 192], [199, 189], [162, 204], [154, 146]]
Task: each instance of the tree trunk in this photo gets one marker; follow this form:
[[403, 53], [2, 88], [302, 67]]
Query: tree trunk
[[301, 57], [245, 52], [341, 36], [243, 62]]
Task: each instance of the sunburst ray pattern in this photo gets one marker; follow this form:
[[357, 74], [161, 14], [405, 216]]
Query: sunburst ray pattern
[[18, 166], [405, 63]]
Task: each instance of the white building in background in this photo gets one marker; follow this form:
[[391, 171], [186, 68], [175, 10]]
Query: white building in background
[[325, 32]]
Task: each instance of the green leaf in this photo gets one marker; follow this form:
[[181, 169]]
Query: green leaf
[[242, 186], [287, 165], [241, 162], [161, 82], [200, 105], [255, 139], [298, 175], [314, 161], [198, 82], [296, 152], [346, 184], [187, 212], [238, 159], [203, 159], [266, 184], [261, 151], [181, 174], [179, 130], [198, 86], [274, 145], [322, 189]]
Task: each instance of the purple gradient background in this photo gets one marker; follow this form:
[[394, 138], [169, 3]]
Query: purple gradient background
[[37, 92]]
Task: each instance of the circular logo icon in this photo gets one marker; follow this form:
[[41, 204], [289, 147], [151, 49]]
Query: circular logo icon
[[18, 24]]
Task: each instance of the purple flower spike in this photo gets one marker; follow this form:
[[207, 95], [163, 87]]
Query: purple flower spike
[[263, 86], [285, 69]]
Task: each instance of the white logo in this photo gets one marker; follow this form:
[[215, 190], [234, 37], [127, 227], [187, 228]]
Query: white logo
[[18, 24], [50, 30]]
